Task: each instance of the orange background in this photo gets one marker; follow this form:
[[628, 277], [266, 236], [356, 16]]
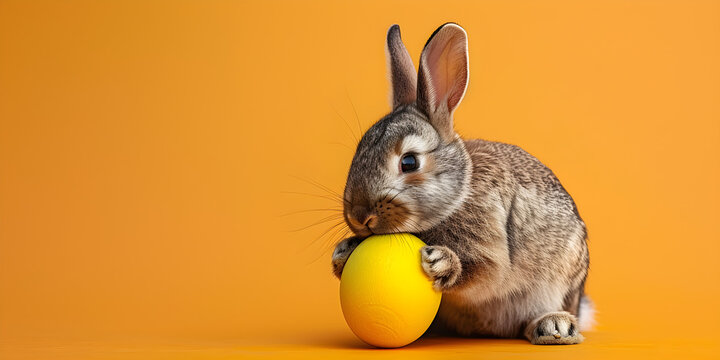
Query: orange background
[[151, 152]]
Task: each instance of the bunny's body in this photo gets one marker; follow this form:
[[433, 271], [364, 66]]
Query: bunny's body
[[506, 244], [520, 242]]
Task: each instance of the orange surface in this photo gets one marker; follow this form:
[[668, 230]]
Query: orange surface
[[151, 154]]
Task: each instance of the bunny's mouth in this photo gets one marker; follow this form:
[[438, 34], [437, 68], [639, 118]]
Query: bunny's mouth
[[386, 217]]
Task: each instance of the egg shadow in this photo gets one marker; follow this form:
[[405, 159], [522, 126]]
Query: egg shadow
[[433, 338]]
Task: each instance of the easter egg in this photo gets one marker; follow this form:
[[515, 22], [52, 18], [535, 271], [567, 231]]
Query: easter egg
[[387, 299]]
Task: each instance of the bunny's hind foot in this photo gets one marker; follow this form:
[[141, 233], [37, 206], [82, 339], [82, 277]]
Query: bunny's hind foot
[[554, 328]]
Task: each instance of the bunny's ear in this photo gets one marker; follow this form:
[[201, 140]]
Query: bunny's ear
[[403, 77], [443, 77]]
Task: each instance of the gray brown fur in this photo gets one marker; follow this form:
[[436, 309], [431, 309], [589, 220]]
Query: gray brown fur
[[506, 244]]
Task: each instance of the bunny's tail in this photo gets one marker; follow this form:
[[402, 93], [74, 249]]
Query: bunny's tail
[[586, 314]]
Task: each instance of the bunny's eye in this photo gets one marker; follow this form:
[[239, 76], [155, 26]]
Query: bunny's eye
[[409, 163]]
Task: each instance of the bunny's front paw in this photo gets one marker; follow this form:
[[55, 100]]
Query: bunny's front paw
[[555, 328], [342, 253], [442, 265]]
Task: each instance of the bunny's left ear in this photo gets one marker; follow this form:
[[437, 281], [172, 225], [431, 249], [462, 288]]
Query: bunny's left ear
[[443, 77], [403, 77]]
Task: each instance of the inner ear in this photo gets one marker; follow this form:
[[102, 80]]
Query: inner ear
[[443, 77]]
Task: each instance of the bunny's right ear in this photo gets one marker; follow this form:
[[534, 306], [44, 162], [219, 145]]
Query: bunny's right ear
[[443, 77], [403, 77]]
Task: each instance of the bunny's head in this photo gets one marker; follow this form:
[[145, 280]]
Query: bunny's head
[[411, 170]]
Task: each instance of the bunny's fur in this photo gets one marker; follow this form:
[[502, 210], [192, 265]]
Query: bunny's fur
[[506, 243]]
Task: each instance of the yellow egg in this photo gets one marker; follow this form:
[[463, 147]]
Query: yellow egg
[[386, 297]]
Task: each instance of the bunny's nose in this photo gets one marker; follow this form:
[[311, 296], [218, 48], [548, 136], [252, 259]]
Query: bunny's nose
[[363, 216]]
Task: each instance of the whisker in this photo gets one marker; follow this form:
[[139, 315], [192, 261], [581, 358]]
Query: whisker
[[310, 210], [414, 226], [323, 220], [346, 124], [324, 233], [341, 144], [326, 248], [333, 239], [347, 93], [396, 236], [336, 238], [315, 183], [387, 192], [322, 187], [398, 193], [333, 199]]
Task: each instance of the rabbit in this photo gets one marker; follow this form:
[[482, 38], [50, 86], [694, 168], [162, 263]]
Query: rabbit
[[505, 242]]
